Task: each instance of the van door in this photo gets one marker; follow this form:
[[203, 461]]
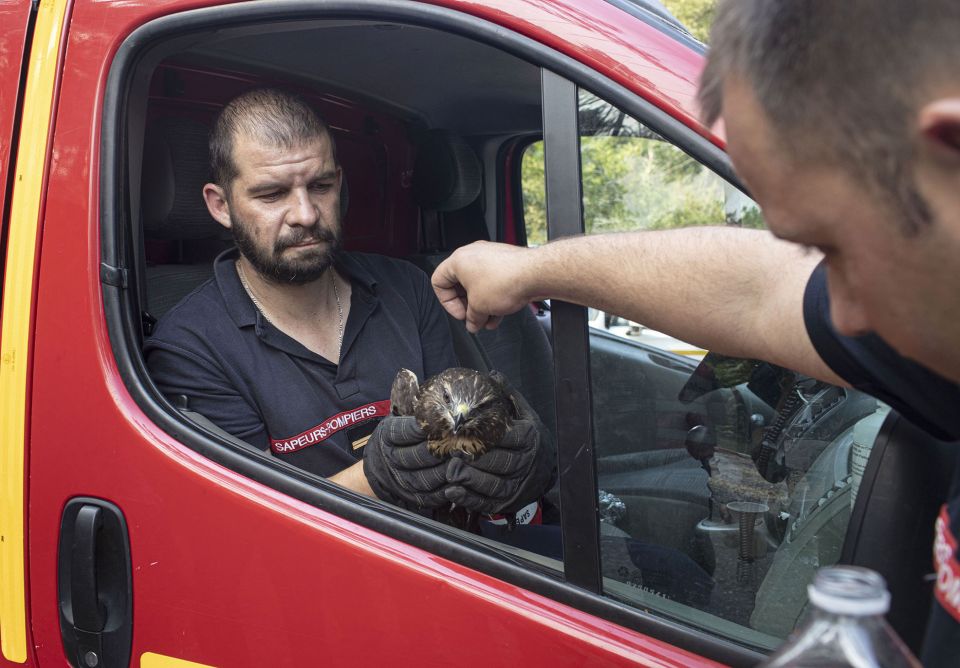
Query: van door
[[155, 543]]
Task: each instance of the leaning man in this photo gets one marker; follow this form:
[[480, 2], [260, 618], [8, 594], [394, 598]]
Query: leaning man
[[293, 345]]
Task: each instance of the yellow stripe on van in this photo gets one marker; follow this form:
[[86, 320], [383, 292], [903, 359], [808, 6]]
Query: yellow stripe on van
[[17, 315], [151, 660]]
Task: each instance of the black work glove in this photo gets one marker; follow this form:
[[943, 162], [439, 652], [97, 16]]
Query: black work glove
[[506, 478], [400, 468]]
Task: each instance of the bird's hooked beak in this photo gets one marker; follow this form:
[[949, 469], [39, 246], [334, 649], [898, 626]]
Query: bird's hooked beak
[[460, 414]]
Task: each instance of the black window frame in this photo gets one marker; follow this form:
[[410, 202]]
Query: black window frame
[[142, 50], [571, 343]]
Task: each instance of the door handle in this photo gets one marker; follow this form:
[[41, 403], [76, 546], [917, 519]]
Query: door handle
[[88, 612], [94, 584]]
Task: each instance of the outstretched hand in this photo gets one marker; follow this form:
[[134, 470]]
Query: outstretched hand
[[484, 281]]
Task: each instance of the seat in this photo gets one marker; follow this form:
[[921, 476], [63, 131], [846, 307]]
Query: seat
[[447, 184], [181, 238]]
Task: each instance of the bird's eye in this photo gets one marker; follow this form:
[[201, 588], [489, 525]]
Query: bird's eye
[[446, 396]]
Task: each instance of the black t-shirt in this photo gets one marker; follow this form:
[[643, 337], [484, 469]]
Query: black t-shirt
[[929, 401], [262, 386]]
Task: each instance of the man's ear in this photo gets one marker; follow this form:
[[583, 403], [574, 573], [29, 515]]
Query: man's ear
[[939, 129], [217, 203]]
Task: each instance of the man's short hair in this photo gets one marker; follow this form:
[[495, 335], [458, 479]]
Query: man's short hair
[[269, 115], [840, 80]]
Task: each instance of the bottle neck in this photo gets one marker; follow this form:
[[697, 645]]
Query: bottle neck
[[839, 618]]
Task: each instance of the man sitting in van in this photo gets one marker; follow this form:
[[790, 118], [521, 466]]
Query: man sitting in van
[[293, 345]]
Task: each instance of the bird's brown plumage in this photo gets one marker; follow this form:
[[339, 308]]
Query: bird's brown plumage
[[458, 409]]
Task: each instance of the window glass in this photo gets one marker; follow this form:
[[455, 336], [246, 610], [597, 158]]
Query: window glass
[[724, 483], [633, 179]]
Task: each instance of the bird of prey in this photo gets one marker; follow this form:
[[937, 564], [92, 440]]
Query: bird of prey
[[458, 409]]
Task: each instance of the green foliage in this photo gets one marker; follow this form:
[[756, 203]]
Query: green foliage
[[606, 165], [633, 179], [534, 194], [673, 164], [752, 218], [691, 212], [633, 183], [697, 15]]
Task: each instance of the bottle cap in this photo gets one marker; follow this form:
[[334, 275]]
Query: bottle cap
[[849, 590]]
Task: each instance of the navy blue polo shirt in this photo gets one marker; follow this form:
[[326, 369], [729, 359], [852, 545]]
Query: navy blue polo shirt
[[929, 401], [264, 387]]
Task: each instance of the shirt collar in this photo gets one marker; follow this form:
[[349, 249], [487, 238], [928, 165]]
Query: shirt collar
[[241, 307]]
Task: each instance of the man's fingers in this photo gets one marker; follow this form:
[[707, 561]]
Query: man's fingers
[[477, 320], [469, 500], [447, 287], [444, 277], [450, 293], [475, 284], [427, 480], [456, 306], [481, 482], [413, 457], [402, 430]]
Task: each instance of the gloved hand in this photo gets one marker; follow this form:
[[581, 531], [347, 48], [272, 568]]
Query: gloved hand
[[509, 476], [401, 469]]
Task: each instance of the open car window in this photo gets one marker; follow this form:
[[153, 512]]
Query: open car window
[[398, 114], [396, 130]]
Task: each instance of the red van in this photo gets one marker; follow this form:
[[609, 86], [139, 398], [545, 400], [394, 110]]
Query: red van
[[134, 531]]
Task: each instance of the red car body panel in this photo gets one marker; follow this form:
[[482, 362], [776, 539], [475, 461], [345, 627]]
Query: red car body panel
[[634, 54], [226, 571]]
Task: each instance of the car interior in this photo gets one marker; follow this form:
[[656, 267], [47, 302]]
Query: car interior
[[723, 484]]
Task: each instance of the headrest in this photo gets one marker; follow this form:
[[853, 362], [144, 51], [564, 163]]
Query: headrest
[[447, 173], [175, 168]]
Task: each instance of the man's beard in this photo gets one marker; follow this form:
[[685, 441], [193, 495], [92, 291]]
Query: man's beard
[[310, 262]]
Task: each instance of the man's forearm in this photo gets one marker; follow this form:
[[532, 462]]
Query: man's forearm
[[714, 287], [353, 479], [735, 291]]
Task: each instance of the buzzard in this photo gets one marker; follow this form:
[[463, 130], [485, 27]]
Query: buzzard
[[459, 410]]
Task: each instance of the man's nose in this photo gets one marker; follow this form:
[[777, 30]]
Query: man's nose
[[302, 210]]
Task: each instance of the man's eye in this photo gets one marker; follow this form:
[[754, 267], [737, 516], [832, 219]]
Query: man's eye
[[270, 197], [320, 187]]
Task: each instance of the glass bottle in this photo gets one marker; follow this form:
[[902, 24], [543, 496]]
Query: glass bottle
[[846, 626]]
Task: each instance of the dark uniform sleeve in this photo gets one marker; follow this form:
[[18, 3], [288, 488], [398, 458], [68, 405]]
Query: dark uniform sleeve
[[435, 340], [209, 391], [929, 401]]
